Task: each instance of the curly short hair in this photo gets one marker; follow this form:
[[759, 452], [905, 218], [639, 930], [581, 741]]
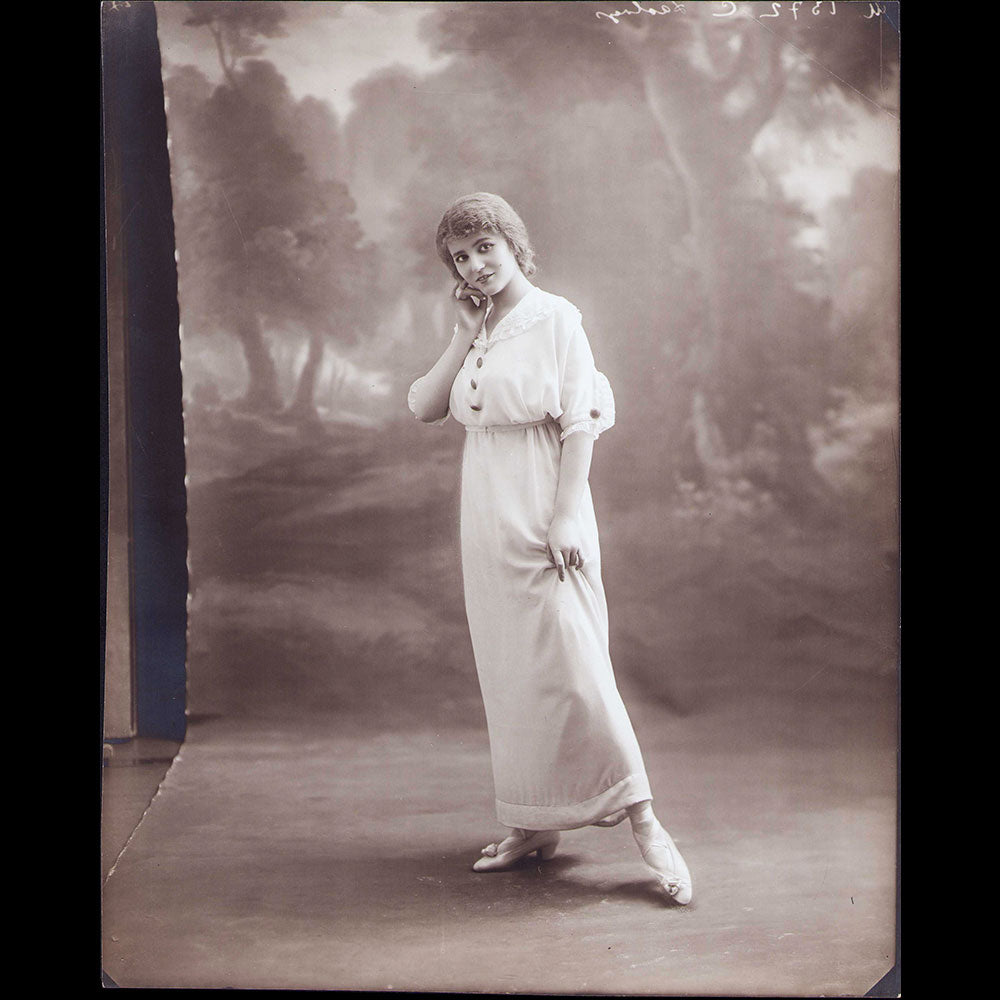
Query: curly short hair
[[489, 213]]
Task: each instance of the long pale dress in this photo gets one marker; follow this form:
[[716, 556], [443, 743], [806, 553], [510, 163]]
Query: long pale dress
[[563, 750]]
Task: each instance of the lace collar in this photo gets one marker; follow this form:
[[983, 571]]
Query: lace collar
[[535, 305]]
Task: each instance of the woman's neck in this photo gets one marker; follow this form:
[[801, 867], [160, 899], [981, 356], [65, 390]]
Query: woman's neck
[[507, 298]]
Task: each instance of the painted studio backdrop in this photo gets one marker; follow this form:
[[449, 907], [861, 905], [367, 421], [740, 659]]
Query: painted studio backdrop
[[715, 185]]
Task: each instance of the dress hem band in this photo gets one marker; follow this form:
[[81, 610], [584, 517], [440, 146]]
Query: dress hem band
[[627, 792]]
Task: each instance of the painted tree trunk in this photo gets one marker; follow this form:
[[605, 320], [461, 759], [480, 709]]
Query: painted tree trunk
[[709, 150], [262, 395], [303, 406]]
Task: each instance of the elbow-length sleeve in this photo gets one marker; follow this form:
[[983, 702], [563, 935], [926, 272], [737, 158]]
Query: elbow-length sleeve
[[411, 402], [585, 395]]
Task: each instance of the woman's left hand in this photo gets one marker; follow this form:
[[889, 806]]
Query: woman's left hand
[[564, 544]]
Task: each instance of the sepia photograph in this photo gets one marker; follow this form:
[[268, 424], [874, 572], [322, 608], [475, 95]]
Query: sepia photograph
[[502, 482]]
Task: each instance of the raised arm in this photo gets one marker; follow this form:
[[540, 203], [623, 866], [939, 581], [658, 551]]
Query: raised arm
[[429, 396]]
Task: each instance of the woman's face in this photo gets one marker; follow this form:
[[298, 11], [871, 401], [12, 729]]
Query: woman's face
[[485, 261]]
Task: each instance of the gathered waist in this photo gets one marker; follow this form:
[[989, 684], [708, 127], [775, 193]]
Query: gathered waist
[[509, 427]]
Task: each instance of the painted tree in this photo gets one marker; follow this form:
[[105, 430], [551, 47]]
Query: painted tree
[[267, 241], [236, 28], [710, 77]]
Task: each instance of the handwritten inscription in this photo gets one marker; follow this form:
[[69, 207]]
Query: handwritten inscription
[[730, 8], [637, 8], [817, 8]]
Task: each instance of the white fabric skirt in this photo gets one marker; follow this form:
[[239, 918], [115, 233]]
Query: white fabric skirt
[[563, 750]]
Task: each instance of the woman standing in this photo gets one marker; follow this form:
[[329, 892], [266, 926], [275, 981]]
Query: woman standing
[[520, 375]]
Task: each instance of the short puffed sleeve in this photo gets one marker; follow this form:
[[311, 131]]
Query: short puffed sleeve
[[411, 401], [585, 395]]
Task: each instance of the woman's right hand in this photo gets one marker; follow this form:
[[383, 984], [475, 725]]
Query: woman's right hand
[[469, 314]]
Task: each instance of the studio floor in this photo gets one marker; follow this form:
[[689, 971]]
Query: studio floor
[[324, 853]]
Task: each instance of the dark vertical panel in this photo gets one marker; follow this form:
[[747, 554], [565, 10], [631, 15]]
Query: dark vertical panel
[[134, 97], [118, 658]]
